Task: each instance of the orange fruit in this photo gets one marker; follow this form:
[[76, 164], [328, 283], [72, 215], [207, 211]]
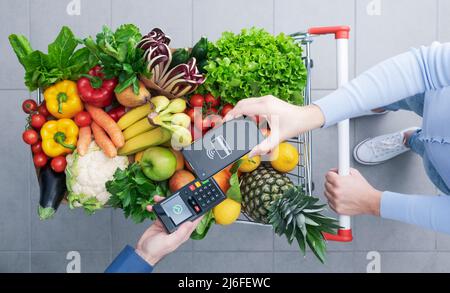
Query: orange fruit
[[223, 180]]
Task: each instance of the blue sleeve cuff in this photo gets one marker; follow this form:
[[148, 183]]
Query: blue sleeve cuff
[[334, 107], [394, 206], [128, 261], [427, 211]]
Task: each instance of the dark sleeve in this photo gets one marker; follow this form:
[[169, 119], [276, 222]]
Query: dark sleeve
[[128, 261]]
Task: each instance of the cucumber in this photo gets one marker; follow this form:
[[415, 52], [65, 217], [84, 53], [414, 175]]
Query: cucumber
[[201, 66], [180, 56], [200, 50]]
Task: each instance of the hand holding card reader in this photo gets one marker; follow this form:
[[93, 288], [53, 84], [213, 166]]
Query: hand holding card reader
[[189, 203], [217, 149]]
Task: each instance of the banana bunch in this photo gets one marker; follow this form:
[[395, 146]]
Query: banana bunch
[[155, 123], [170, 116]]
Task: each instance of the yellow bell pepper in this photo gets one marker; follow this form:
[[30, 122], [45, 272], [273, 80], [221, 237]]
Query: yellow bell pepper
[[62, 99], [59, 137]]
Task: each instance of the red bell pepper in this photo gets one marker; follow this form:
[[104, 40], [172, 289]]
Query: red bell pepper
[[117, 113], [94, 89]]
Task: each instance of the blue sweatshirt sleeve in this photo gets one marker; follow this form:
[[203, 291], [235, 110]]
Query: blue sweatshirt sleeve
[[427, 211], [128, 261], [405, 75]]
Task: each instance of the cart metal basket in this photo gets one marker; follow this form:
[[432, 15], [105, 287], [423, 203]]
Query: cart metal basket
[[302, 175]]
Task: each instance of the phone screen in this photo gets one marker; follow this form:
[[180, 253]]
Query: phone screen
[[222, 146]]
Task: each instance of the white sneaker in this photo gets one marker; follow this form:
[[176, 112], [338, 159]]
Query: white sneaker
[[377, 150]]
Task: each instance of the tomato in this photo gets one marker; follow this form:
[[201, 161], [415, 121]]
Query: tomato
[[211, 101], [195, 133], [42, 109], [37, 147], [37, 121], [202, 124], [30, 136], [198, 118], [29, 106], [196, 100], [83, 119], [40, 160], [215, 120], [212, 111], [190, 112], [58, 164], [225, 109]]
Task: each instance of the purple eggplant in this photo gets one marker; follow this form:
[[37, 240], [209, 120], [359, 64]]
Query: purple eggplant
[[52, 187]]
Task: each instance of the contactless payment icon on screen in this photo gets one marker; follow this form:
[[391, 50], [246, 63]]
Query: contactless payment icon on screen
[[219, 147]]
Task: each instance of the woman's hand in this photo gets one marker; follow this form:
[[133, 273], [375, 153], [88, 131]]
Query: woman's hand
[[351, 195], [285, 120], [156, 243]]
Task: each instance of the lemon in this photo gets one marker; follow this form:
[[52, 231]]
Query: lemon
[[284, 157], [249, 165], [227, 212]]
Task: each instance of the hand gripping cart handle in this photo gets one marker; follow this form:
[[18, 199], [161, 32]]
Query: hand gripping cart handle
[[342, 35]]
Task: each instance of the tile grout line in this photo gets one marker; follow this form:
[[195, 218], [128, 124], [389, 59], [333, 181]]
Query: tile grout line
[[192, 22], [241, 251], [273, 17], [438, 20]]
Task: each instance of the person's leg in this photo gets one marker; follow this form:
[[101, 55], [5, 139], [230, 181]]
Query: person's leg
[[377, 150], [414, 104], [418, 147]]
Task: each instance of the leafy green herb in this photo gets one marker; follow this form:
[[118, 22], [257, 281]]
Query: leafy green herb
[[62, 62], [234, 192], [255, 63], [203, 227], [119, 55], [132, 191]]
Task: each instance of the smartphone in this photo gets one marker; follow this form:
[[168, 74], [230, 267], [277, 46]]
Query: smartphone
[[222, 146]]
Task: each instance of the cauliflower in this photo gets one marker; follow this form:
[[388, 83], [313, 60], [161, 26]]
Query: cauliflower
[[86, 177]]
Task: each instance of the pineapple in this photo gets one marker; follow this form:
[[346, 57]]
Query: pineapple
[[260, 189], [269, 197]]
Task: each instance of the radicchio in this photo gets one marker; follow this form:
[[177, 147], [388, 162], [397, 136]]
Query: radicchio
[[178, 81]]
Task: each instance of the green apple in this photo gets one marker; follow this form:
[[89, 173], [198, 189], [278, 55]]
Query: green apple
[[158, 163]]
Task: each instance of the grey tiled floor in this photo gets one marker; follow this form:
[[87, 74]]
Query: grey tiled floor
[[26, 244]]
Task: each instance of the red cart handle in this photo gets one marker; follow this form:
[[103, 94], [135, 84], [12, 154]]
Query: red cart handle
[[341, 236], [340, 32]]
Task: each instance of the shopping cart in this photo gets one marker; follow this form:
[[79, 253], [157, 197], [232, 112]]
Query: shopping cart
[[302, 175]]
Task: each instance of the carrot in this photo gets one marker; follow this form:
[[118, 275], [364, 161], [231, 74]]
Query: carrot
[[84, 140], [108, 124], [103, 141]]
